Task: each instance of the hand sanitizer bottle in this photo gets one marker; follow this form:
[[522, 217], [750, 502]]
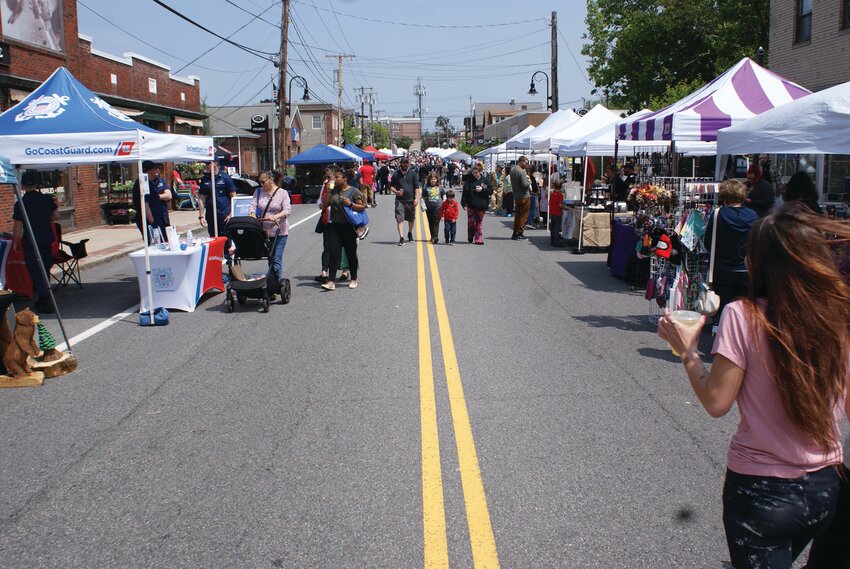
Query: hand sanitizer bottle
[[190, 240]]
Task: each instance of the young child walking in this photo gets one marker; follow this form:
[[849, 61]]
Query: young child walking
[[556, 210], [448, 213]]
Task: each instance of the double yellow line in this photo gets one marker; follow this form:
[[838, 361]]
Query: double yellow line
[[482, 541]]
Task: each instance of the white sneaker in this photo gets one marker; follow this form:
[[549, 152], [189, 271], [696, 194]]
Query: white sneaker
[[328, 286], [352, 284]]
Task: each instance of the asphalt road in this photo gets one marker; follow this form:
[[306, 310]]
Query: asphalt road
[[565, 435]]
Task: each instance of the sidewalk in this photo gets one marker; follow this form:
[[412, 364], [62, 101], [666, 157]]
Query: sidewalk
[[108, 242]]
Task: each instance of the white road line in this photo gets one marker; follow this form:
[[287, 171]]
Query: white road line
[[133, 309], [99, 327]]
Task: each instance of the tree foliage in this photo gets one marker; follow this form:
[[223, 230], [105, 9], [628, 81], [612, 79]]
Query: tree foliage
[[643, 52], [380, 135], [403, 142], [350, 131]]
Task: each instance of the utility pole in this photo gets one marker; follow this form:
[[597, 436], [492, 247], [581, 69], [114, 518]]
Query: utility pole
[[419, 91], [371, 98], [339, 57], [554, 71], [281, 91], [362, 100]]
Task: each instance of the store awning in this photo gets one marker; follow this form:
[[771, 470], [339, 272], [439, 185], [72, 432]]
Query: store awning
[[155, 117], [130, 112], [17, 95], [190, 122]]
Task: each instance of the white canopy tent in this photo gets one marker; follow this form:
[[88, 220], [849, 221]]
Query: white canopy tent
[[63, 123], [816, 124], [598, 117], [556, 122]]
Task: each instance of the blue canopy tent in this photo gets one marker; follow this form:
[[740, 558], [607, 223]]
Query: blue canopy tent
[[323, 154], [359, 152], [62, 122]]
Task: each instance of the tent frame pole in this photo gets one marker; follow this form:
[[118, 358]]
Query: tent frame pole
[[143, 213]]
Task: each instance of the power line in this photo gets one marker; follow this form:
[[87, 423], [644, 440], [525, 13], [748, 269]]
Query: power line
[[150, 45], [442, 26], [574, 58], [350, 49], [262, 54]]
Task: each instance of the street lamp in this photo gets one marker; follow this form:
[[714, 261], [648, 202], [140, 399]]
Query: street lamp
[[532, 90], [306, 96]]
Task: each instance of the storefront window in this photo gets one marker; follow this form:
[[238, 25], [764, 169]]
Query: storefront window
[[845, 15], [114, 177], [838, 178], [54, 183]]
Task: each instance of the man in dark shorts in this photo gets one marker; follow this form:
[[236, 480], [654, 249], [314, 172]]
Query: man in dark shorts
[[407, 189]]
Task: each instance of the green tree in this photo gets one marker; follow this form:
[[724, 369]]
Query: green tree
[[380, 136], [646, 50], [444, 127], [205, 123], [350, 131], [403, 142]]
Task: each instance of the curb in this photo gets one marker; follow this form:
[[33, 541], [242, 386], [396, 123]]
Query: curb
[[95, 259]]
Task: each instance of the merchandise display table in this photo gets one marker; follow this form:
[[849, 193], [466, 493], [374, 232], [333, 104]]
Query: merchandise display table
[[596, 229], [180, 278], [13, 270]]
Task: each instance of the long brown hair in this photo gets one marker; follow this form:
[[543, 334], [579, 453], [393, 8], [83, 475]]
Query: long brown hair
[[807, 320]]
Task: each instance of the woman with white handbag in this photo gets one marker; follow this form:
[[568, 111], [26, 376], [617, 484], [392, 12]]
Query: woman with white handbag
[[726, 238]]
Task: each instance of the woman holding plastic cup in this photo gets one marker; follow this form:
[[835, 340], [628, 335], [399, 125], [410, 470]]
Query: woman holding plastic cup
[[782, 354]]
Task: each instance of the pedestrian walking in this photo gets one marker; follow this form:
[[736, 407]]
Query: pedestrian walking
[[407, 190], [496, 183], [507, 193], [42, 212], [271, 205], [761, 195], [475, 200], [342, 234], [367, 182], [782, 354], [449, 213], [556, 212], [432, 197], [383, 178], [521, 186]]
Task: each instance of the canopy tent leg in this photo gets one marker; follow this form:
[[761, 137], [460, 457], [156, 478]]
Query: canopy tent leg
[[143, 213], [213, 197]]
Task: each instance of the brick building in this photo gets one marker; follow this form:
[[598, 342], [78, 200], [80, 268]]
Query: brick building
[[320, 124], [33, 47], [810, 45], [410, 127]]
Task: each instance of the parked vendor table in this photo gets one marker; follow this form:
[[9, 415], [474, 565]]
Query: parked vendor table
[[180, 278], [596, 228]]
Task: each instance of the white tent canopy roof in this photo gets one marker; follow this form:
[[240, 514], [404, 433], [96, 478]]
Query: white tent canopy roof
[[555, 122], [598, 117], [816, 124]]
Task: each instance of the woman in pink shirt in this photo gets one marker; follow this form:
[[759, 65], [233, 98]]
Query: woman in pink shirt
[[783, 355]]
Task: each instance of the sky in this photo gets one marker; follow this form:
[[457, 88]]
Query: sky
[[490, 59]]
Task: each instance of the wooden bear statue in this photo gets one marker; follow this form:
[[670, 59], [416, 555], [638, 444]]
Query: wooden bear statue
[[22, 345]]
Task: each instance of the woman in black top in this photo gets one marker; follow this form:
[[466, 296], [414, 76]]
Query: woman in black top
[[341, 232]]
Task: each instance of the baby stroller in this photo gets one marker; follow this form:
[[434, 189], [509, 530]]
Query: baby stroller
[[251, 244]]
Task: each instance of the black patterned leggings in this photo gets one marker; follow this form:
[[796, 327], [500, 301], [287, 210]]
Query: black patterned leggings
[[769, 521]]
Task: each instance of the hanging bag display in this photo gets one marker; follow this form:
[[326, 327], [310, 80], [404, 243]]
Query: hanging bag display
[[708, 303]]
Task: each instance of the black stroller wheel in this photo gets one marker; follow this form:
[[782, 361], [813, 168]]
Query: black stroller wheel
[[265, 304], [229, 301], [285, 292]]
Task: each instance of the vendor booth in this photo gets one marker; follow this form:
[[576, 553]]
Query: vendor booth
[[63, 123], [310, 167]]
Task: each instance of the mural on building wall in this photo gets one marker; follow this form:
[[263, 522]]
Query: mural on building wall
[[36, 22]]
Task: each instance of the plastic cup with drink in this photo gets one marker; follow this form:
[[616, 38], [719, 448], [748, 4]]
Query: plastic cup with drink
[[686, 318]]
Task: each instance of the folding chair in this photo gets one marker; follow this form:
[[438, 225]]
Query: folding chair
[[68, 261], [186, 193]]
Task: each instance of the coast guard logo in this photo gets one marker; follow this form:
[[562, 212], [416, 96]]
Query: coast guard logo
[[125, 148], [112, 111], [44, 107], [162, 278]]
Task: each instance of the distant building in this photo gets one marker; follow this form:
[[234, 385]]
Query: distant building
[[404, 126], [810, 45], [483, 115], [320, 124], [251, 132], [508, 126], [32, 49]]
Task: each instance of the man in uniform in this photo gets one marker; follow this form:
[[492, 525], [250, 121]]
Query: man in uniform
[[407, 190], [156, 202], [225, 189]]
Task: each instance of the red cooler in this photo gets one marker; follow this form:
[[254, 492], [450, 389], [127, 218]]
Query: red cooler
[[295, 198]]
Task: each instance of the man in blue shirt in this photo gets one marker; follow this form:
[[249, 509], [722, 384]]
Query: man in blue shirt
[[42, 212], [225, 189], [156, 203]]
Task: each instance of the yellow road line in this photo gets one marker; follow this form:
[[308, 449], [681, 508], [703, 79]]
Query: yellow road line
[[433, 507], [482, 540]]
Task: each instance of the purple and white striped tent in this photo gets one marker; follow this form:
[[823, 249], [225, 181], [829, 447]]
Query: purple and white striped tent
[[742, 92]]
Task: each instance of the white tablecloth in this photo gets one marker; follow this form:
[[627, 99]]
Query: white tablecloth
[[179, 278]]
